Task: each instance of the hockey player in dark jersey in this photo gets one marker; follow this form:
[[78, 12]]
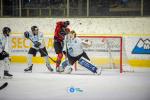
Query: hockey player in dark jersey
[[60, 31]]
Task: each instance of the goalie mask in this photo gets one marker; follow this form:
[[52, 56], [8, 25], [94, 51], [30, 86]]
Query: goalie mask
[[6, 31], [73, 33]]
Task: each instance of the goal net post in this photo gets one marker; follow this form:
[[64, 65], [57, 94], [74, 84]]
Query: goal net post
[[107, 52]]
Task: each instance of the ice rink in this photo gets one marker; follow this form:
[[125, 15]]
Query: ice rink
[[43, 85]]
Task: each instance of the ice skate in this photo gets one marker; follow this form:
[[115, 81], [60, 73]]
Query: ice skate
[[68, 70], [29, 69], [7, 75], [99, 71], [59, 69]]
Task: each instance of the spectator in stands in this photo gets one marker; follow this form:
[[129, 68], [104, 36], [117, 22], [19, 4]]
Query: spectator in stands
[[117, 3]]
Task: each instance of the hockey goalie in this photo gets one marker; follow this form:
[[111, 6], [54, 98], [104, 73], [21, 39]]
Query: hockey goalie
[[73, 49]]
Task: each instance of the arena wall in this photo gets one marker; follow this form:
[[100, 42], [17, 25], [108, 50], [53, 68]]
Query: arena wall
[[135, 33]]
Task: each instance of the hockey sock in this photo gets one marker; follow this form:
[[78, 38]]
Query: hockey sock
[[30, 59], [6, 64], [59, 57], [1, 68], [47, 60]]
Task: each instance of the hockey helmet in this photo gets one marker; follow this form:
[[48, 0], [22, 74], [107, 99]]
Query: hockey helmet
[[34, 28], [6, 31], [66, 23]]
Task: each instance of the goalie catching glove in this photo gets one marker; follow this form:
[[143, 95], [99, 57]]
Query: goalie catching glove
[[37, 44], [87, 43]]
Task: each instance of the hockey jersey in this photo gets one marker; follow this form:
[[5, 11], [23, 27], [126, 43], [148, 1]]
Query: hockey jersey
[[4, 43], [60, 31], [39, 38], [73, 46]]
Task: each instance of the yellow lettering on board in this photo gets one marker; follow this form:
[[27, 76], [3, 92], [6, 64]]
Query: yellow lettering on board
[[24, 43], [14, 45], [50, 43], [19, 43]]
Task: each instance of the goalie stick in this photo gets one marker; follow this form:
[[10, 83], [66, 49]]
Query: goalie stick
[[45, 53], [3, 86]]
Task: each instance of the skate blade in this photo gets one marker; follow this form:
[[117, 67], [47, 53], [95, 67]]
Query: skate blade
[[7, 77], [98, 74], [59, 71], [50, 69], [28, 71], [1, 77], [65, 73], [99, 71], [69, 71]]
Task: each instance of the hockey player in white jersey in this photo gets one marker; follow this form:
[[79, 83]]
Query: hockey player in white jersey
[[37, 40], [73, 49], [4, 56]]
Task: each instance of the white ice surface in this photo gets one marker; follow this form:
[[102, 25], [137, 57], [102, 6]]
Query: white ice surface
[[43, 85]]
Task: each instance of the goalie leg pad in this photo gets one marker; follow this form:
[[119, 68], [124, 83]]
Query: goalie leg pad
[[85, 63], [67, 67]]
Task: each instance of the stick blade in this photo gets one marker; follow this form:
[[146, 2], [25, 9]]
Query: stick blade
[[3, 86]]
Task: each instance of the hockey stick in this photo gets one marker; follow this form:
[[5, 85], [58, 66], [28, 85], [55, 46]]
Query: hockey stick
[[44, 52], [3, 86]]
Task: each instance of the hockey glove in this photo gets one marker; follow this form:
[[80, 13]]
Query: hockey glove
[[64, 31], [37, 44], [26, 34], [64, 52], [4, 53]]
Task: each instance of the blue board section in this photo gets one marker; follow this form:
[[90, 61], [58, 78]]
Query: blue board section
[[138, 50], [142, 47], [87, 65]]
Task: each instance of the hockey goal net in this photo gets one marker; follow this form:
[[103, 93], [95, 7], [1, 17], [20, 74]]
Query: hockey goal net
[[105, 52]]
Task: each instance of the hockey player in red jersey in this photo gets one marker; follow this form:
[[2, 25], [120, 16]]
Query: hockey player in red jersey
[[60, 31]]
